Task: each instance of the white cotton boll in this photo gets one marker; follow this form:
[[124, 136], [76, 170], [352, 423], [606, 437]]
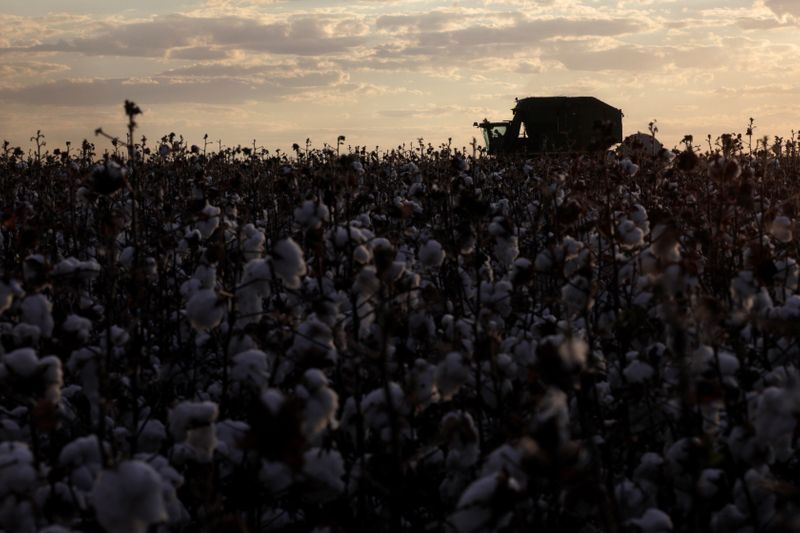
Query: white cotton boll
[[288, 262], [192, 423], [376, 412], [576, 295], [573, 352], [730, 519], [22, 362], [511, 460], [52, 378], [638, 372], [171, 480], [451, 374], [208, 220], [553, 408], [630, 498], [79, 326], [273, 400], [628, 167], [506, 250], [477, 507], [630, 234], [7, 293], [431, 254], [129, 498], [17, 474], [422, 384], [461, 436], [126, 256], [275, 476], [653, 521], [321, 404], [254, 287], [34, 267], [759, 482], [151, 435], [251, 366], [774, 421], [37, 311], [781, 229], [206, 309], [325, 470], [545, 261], [83, 459], [253, 241], [708, 482], [313, 342], [639, 216], [311, 214], [362, 254]]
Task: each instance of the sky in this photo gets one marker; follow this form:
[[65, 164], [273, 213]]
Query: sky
[[383, 72]]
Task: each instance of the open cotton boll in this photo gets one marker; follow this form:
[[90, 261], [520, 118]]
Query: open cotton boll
[[576, 295], [638, 214], [708, 484], [51, 378], [781, 229], [151, 434], [22, 362], [288, 262], [129, 498], [7, 293], [275, 476], [431, 254], [83, 460], [506, 250], [313, 342], [251, 366], [79, 326], [638, 372], [653, 521], [730, 519], [17, 473], [451, 374], [376, 412], [321, 403], [192, 423], [324, 469], [37, 311], [629, 497], [630, 234], [459, 432], [208, 220], [628, 167], [422, 384], [253, 241], [485, 505], [206, 309], [311, 214], [171, 480], [775, 421]]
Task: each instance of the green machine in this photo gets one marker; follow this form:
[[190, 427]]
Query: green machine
[[555, 124]]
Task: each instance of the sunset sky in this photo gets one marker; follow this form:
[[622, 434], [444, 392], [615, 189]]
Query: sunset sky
[[388, 72]]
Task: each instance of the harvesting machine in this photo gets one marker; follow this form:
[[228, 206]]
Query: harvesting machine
[[555, 124]]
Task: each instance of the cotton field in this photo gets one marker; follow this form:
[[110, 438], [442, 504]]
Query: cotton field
[[423, 339]]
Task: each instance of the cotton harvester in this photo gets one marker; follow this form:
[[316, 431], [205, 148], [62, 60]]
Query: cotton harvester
[[555, 124]]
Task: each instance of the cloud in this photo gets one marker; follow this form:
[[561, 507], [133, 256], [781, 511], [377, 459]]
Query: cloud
[[219, 90], [205, 38], [784, 7]]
